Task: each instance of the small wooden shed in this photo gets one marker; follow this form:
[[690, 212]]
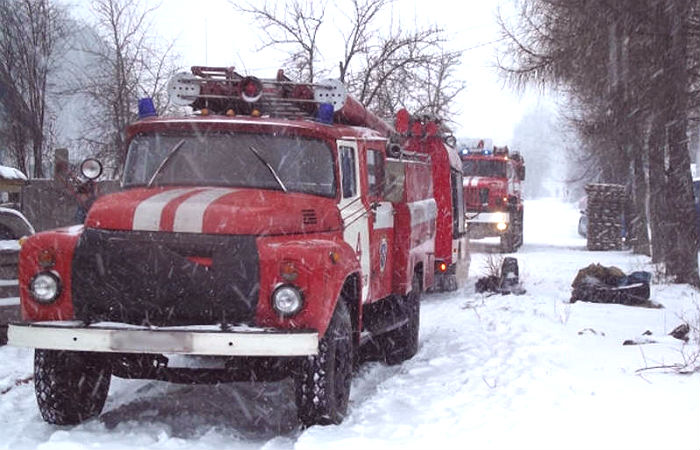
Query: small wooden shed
[[11, 181]]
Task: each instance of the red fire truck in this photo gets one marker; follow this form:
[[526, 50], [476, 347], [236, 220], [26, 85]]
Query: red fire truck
[[271, 233], [452, 256], [493, 194]]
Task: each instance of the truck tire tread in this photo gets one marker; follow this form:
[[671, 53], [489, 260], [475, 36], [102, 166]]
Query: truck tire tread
[[322, 383], [70, 387]]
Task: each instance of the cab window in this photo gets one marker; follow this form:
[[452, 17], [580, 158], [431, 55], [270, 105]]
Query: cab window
[[375, 172], [347, 166]]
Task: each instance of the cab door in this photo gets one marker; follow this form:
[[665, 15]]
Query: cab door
[[381, 223], [353, 210]]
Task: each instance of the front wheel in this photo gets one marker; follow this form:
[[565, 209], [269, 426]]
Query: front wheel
[[508, 240], [70, 387], [521, 229], [513, 237], [323, 381]]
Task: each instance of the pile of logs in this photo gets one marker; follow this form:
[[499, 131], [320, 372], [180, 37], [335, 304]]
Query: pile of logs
[[604, 210]]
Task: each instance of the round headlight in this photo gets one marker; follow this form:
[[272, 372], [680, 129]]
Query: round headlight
[[45, 287], [287, 300], [91, 168]]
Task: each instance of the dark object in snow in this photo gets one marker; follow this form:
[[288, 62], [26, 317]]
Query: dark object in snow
[[600, 284], [604, 212], [681, 332], [488, 284], [590, 331], [639, 341], [507, 283], [510, 277]]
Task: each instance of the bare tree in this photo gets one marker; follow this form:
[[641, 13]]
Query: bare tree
[[440, 85], [31, 32], [128, 65], [357, 39], [385, 68], [296, 25], [391, 64]]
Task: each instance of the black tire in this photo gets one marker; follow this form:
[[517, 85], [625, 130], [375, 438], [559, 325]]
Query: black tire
[[513, 237], [508, 240], [322, 383], [521, 229], [451, 283], [401, 344], [70, 387]]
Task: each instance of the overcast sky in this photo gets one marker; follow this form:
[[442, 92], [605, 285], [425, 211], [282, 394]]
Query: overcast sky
[[212, 32]]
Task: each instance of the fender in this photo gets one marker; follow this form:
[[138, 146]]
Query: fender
[[322, 263], [59, 245]]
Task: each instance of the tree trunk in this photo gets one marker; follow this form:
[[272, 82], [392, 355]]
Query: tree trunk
[[658, 208], [38, 156], [681, 256], [639, 223]]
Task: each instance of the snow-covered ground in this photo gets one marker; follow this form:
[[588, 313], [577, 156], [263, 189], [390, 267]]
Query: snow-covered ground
[[530, 371]]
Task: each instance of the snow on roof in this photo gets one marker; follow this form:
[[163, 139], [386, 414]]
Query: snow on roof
[[10, 173]]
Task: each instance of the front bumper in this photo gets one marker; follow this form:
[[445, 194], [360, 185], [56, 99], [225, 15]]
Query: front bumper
[[113, 337], [487, 224], [488, 217]]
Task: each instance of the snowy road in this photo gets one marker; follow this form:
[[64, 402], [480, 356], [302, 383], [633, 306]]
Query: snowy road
[[530, 371]]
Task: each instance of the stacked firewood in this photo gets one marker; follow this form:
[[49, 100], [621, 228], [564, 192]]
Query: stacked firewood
[[605, 206]]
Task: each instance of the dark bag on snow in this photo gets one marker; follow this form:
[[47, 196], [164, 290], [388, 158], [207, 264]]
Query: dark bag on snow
[[600, 284]]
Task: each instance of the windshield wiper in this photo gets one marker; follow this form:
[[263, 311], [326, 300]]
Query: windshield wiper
[[269, 167], [165, 161]]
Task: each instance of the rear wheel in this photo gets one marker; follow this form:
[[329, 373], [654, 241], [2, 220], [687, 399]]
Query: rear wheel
[[451, 282], [323, 381], [70, 386], [401, 344]]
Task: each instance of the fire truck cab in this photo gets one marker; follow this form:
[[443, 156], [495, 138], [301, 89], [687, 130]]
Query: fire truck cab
[[493, 194], [272, 232]]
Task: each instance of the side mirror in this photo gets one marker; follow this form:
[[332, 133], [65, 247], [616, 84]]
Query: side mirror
[[521, 173], [91, 168], [394, 177]]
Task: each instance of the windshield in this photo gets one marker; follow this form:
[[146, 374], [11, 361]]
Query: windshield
[[484, 168], [226, 159]]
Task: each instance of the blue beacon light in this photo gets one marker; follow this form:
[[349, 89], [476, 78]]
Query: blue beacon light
[[325, 113], [146, 108]]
